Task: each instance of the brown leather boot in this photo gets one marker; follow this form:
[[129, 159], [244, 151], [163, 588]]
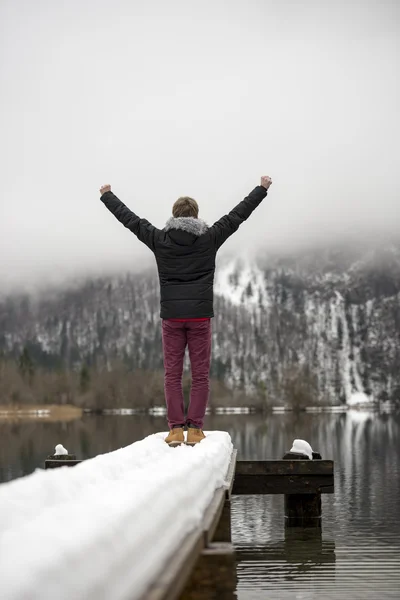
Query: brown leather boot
[[175, 437], [194, 436]]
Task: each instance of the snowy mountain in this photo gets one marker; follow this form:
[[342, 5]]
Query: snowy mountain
[[316, 327]]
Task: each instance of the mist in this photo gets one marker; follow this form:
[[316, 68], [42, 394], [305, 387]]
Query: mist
[[187, 98]]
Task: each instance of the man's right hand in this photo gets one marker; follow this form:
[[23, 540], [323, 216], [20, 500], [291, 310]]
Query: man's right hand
[[266, 181], [105, 188]]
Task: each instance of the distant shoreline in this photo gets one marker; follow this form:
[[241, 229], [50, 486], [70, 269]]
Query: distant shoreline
[[68, 412], [48, 412]]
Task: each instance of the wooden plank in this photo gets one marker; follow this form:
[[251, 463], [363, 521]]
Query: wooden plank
[[214, 511], [213, 515], [230, 476], [51, 463], [284, 467], [172, 580], [282, 484], [223, 533]]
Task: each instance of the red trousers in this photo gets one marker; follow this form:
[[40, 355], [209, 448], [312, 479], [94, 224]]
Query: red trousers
[[196, 335]]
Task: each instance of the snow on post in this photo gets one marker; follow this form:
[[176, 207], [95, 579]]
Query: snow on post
[[302, 447]]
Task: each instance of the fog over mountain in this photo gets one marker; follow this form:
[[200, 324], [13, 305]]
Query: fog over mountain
[[314, 328], [168, 99]]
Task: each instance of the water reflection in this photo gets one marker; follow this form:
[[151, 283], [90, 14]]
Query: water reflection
[[271, 557]]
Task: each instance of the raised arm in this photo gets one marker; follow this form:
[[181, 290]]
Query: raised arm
[[230, 223], [145, 231]]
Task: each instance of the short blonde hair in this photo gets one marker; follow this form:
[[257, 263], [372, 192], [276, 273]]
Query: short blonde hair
[[185, 207]]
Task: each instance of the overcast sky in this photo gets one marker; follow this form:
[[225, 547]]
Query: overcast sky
[[169, 98]]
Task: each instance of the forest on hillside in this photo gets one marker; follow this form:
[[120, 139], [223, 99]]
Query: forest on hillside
[[24, 383]]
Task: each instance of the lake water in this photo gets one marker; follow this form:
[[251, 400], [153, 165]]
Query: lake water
[[358, 552]]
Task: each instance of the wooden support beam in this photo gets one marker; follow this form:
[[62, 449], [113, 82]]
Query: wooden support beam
[[283, 477], [54, 463], [217, 519], [277, 484], [223, 532], [284, 467], [212, 516]]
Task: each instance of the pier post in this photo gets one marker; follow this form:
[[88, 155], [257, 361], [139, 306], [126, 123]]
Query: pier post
[[215, 574], [64, 460], [302, 510]]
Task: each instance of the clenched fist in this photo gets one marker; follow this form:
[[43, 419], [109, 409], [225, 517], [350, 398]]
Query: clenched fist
[[105, 188], [266, 181]]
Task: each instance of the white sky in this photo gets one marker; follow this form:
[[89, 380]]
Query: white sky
[[166, 98]]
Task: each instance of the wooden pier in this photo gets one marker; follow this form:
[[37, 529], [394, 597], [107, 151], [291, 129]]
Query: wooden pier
[[207, 552]]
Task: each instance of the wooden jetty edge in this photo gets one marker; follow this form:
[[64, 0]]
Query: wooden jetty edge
[[299, 479], [209, 536]]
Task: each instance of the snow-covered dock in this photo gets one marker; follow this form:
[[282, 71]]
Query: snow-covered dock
[[144, 521], [108, 527]]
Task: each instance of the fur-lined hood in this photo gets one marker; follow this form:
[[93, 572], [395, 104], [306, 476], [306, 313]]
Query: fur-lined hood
[[189, 224]]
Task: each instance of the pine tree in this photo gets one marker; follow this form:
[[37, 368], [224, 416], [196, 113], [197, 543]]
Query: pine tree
[[84, 379], [249, 290], [26, 366]]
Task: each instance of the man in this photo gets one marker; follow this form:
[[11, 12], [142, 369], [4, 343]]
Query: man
[[185, 252]]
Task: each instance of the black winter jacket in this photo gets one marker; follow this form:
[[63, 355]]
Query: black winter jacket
[[185, 251]]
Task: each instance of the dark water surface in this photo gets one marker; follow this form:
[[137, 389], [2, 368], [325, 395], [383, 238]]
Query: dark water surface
[[358, 552]]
